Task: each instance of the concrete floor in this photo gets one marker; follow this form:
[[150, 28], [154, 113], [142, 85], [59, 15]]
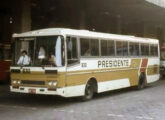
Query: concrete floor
[[125, 104]]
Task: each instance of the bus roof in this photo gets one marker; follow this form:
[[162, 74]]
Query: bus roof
[[84, 33]]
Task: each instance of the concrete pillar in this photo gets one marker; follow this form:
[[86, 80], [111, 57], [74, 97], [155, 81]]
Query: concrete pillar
[[21, 16], [7, 29], [139, 29], [150, 30], [119, 22], [160, 35], [82, 20], [26, 15]]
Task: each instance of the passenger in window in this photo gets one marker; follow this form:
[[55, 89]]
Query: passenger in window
[[52, 59], [69, 49], [87, 53], [70, 45], [24, 58], [42, 53]]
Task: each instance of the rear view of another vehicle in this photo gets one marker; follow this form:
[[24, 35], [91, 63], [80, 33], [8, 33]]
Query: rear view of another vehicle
[[5, 62], [162, 67]]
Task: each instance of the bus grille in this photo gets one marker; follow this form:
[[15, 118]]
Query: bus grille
[[15, 71], [29, 82]]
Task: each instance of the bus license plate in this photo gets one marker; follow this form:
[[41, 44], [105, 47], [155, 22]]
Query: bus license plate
[[32, 91]]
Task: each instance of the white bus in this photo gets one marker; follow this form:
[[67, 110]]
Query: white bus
[[70, 63]]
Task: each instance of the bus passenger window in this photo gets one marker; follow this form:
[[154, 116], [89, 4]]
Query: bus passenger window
[[104, 47], [134, 49], [153, 50], [94, 48], [72, 51], [122, 48], [144, 49], [85, 47], [119, 49], [125, 48], [111, 48]]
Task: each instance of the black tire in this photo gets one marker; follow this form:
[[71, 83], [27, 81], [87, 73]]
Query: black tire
[[89, 91], [141, 82]]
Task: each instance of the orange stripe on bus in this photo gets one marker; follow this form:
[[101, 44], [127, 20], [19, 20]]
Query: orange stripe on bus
[[143, 65]]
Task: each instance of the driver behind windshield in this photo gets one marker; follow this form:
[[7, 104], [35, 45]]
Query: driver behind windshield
[[24, 58]]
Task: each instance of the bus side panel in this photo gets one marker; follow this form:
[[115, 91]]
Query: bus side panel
[[107, 78], [75, 83], [152, 73], [119, 78]]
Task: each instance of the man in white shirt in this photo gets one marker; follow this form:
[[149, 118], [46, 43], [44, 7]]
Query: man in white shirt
[[42, 53], [24, 59]]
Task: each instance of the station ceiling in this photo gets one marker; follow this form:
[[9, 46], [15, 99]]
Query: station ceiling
[[128, 10], [97, 13]]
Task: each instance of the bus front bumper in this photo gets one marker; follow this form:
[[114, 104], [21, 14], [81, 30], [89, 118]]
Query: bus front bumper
[[37, 90]]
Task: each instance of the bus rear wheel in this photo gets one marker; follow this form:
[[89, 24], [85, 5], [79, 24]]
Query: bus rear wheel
[[141, 82]]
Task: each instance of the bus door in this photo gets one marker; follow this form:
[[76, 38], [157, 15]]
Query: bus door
[[72, 59]]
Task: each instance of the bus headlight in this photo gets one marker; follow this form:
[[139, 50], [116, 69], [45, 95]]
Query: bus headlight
[[16, 82], [52, 83], [19, 82]]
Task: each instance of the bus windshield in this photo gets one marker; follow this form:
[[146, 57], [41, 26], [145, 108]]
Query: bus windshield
[[42, 51]]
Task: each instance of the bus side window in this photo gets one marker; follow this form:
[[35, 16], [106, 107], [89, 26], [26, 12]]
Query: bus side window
[[153, 50], [125, 48], [104, 50], [107, 47], [85, 47], [122, 48], [133, 49], [144, 49], [72, 51], [94, 47], [111, 48]]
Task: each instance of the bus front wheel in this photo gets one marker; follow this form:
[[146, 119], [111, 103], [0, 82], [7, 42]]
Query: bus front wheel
[[89, 91]]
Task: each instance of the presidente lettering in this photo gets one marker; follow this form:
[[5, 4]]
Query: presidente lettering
[[113, 63]]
